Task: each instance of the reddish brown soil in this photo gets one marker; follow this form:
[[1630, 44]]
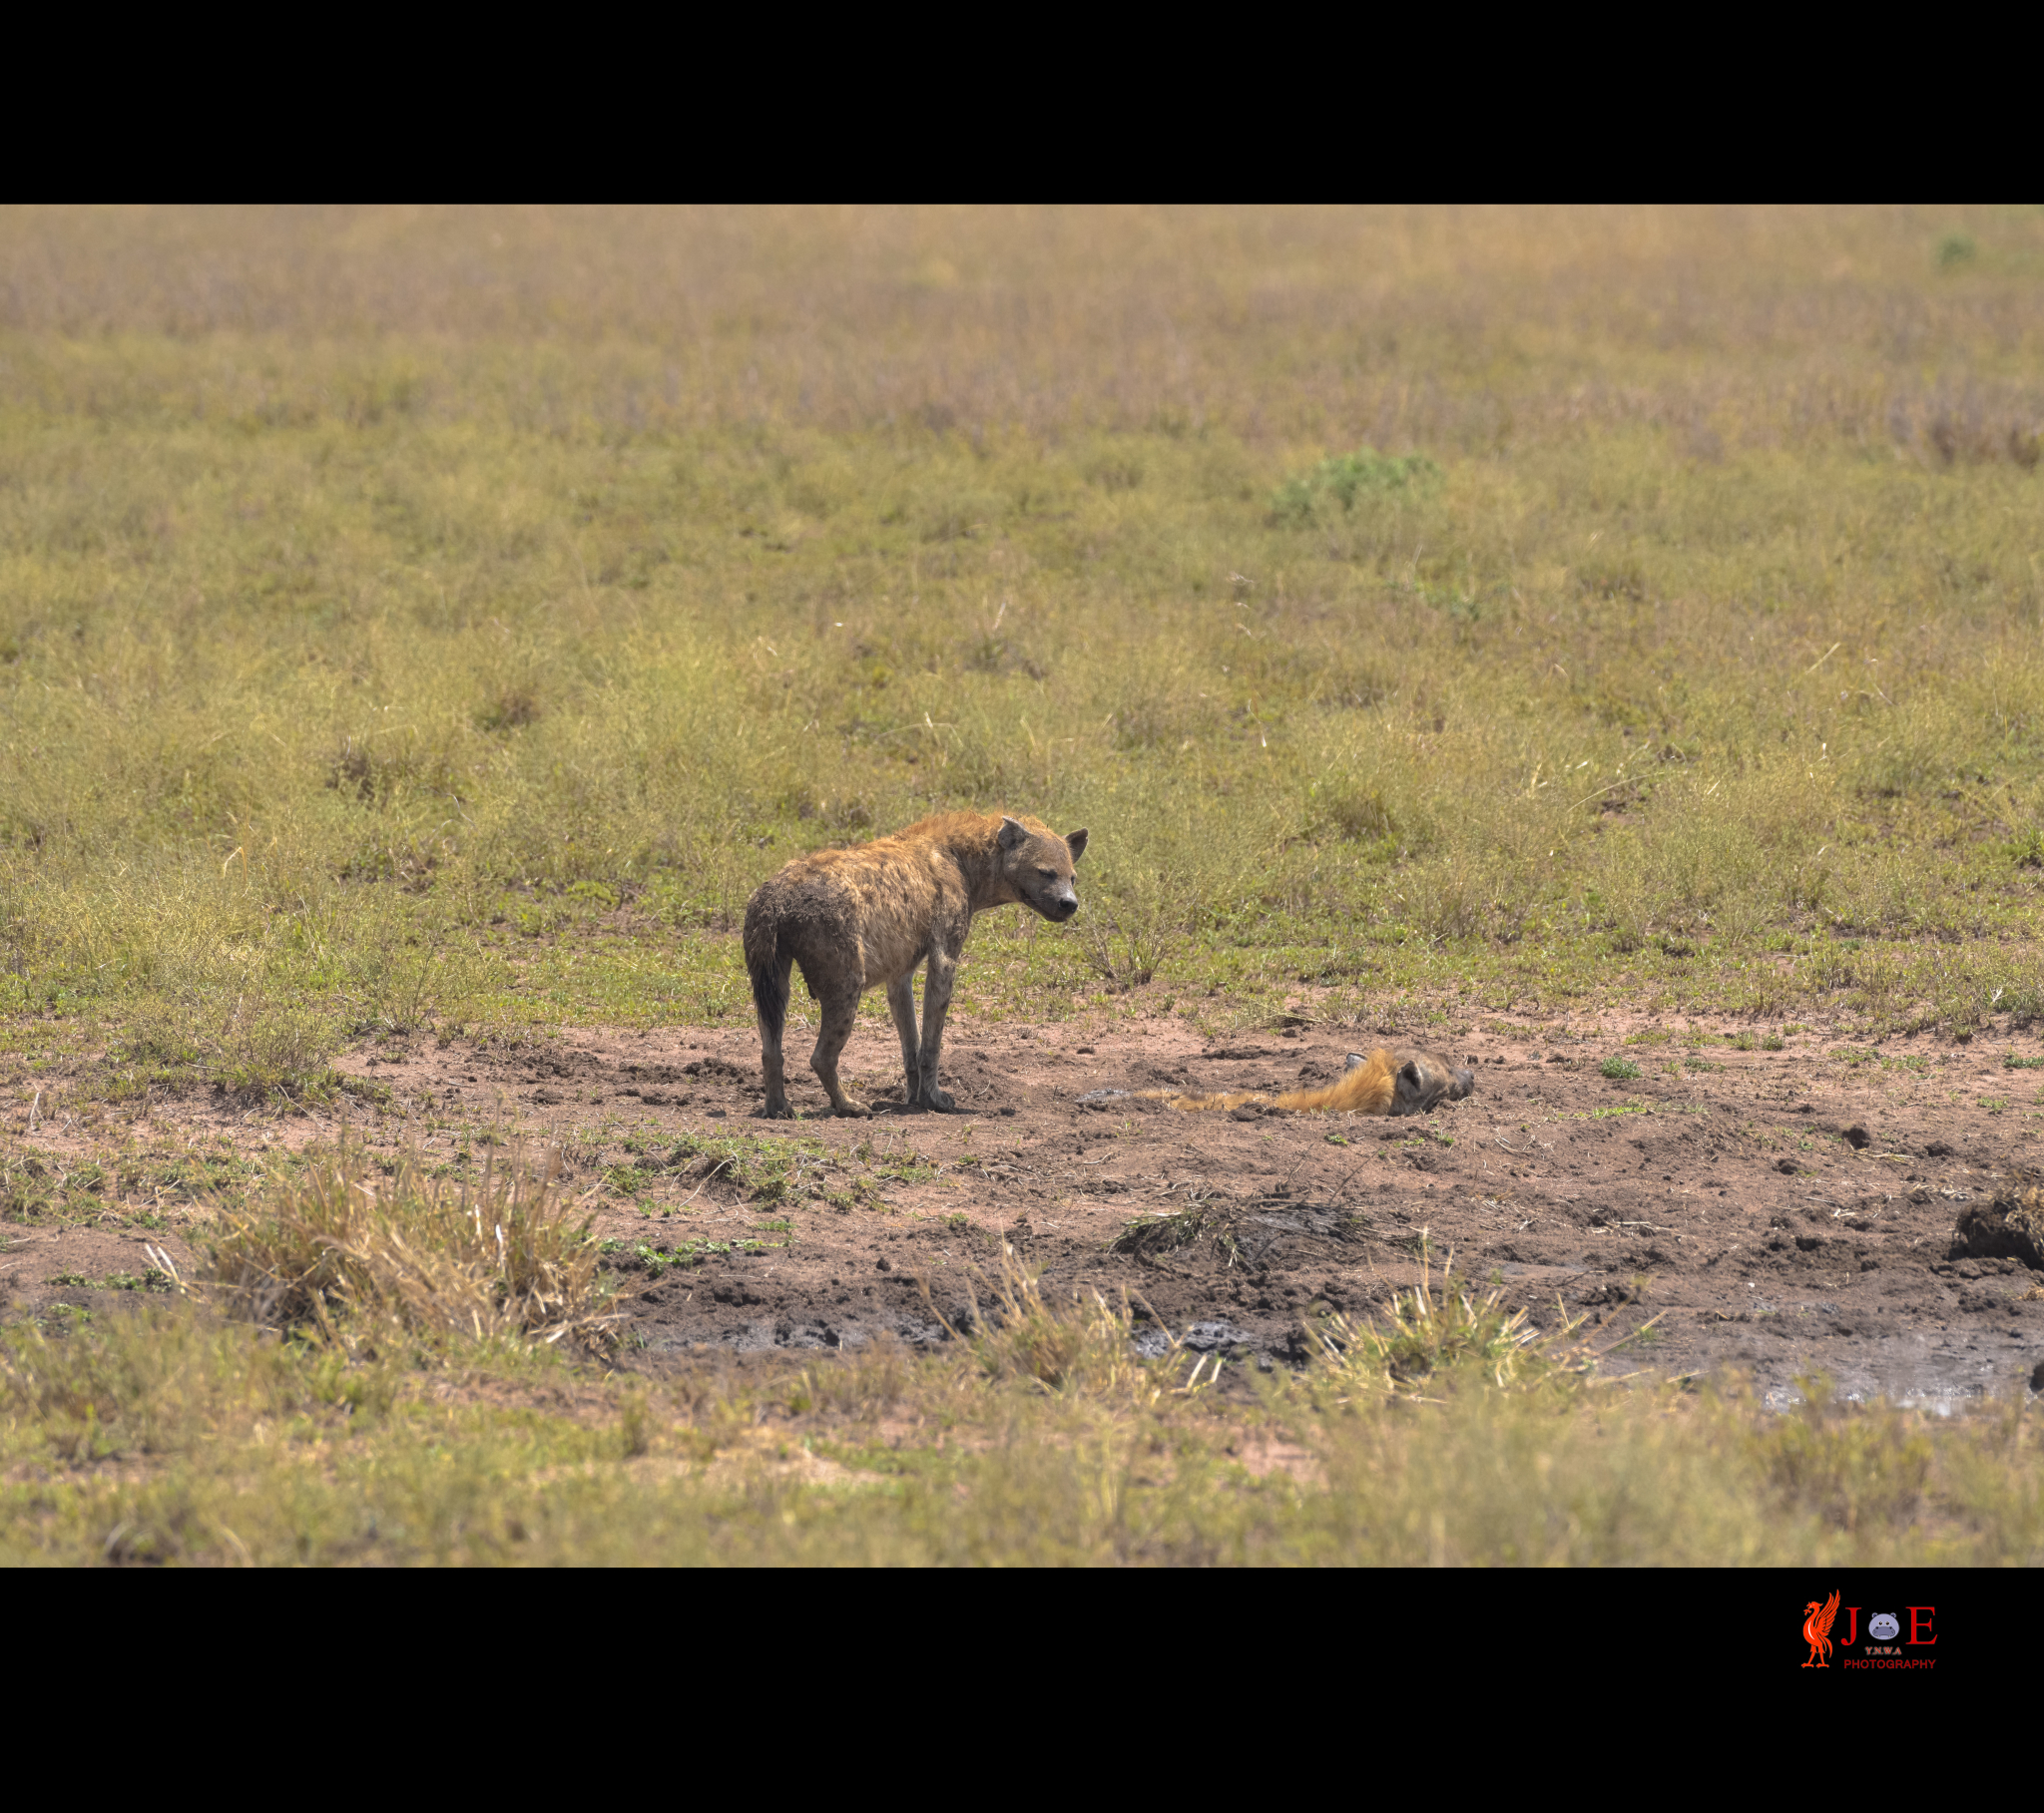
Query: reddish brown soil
[[1781, 1213]]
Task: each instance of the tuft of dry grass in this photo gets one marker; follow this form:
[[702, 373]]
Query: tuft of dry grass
[[343, 1242], [1157, 1234], [1082, 1348], [1437, 1337]]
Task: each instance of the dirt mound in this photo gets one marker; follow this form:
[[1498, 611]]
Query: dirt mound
[[2011, 1226]]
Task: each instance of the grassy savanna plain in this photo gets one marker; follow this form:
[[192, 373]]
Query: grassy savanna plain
[[434, 625]]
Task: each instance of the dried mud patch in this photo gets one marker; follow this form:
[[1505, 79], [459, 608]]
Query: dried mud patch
[[1781, 1211]]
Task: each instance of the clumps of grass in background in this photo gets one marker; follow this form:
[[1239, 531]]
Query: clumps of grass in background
[[261, 1049], [1345, 478], [1619, 1069], [1126, 939], [341, 1249]]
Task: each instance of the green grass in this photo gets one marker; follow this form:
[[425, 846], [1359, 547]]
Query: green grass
[[351, 694]]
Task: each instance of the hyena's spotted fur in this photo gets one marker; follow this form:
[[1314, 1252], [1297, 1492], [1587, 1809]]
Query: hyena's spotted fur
[[1385, 1083], [866, 918]]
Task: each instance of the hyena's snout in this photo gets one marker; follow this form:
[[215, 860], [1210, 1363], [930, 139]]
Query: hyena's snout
[[1063, 906]]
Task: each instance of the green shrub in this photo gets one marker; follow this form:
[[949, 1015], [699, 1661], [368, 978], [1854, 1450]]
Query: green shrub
[[1346, 478]]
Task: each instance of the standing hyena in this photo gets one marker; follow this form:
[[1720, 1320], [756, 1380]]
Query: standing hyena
[[865, 918]]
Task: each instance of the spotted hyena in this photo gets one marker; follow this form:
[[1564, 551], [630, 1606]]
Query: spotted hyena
[[866, 917]]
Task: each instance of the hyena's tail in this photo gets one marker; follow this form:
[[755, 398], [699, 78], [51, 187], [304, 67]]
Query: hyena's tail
[[767, 964]]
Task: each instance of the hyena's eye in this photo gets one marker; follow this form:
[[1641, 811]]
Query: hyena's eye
[[1048, 874]]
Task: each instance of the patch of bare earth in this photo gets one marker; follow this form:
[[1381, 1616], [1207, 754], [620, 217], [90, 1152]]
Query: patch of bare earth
[[1779, 1212]]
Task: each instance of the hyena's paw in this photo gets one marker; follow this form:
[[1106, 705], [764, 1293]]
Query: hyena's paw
[[938, 1101], [777, 1111], [851, 1110]]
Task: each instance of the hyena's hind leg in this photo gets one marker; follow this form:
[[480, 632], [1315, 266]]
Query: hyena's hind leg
[[839, 1007]]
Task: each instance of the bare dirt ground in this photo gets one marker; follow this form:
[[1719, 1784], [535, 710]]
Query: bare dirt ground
[[1779, 1212]]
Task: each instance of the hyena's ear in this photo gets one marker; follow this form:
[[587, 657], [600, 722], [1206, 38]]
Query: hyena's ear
[[1013, 834], [1075, 841]]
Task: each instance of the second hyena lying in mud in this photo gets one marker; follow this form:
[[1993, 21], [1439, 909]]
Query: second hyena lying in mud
[[865, 918], [1385, 1083]]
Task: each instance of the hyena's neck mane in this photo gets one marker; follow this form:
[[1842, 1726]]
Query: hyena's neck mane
[[971, 839]]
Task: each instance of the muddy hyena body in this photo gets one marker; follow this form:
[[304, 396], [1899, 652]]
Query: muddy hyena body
[[1385, 1083], [866, 917]]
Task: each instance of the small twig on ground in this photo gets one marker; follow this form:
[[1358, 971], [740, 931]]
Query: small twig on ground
[[162, 1261], [721, 1164], [1602, 1352]]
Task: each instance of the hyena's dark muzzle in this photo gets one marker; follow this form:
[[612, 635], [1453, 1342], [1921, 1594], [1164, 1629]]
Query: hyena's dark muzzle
[[1423, 1082]]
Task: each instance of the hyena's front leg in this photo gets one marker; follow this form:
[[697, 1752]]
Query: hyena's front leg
[[839, 1010], [936, 1001], [901, 1003]]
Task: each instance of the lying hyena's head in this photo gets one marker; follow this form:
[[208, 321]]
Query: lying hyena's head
[[1037, 864], [1423, 1081]]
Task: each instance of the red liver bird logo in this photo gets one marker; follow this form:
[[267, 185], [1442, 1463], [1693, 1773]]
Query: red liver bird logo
[[1816, 1630]]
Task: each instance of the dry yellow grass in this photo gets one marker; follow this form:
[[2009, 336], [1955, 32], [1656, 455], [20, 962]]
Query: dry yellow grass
[[1457, 328], [348, 1248]]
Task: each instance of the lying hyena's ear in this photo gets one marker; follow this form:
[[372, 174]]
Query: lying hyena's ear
[[1013, 834], [1075, 841]]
